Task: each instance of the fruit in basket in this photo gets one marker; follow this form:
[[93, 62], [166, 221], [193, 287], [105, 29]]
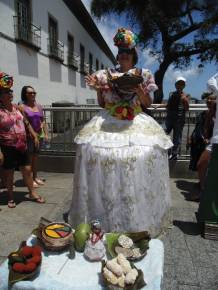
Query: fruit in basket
[[35, 259], [18, 267], [81, 235], [37, 251], [30, 267], [26, 251]]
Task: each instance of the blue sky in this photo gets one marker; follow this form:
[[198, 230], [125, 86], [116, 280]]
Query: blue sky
[[196, 79]]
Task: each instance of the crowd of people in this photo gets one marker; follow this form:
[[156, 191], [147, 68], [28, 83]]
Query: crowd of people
[[121, 172]]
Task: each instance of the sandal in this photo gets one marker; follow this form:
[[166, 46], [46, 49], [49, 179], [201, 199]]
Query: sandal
[[35, 185], [39, 181], [11, 203], [37, 199]]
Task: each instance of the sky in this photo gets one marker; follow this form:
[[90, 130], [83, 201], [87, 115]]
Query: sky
[[196, 79]]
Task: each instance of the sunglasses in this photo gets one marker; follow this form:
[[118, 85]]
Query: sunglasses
[[124, 50], [31, 93]]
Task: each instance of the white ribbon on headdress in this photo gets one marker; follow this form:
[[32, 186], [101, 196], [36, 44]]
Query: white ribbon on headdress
[[212, 85]]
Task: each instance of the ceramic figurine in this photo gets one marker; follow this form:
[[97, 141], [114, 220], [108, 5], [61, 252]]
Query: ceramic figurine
[[95, 249]]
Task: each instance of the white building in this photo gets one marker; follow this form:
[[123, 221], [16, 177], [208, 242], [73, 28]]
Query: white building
[[51, 45]]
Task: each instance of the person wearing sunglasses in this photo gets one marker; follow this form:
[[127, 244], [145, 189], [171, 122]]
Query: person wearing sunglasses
[[121, 172], [34, 114], [13, 142]]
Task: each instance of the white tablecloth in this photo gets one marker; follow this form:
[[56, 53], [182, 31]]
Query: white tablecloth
[[79, 274]]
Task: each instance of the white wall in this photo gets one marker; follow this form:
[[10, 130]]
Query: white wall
[[52, 80]]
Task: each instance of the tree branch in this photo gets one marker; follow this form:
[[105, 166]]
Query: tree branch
[[186, 31]]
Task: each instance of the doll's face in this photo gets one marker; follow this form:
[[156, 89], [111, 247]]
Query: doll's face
[[125, 58]]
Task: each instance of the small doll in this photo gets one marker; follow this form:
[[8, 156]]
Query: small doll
[[95, 249]]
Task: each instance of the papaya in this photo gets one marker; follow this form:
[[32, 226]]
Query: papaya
[[81, 235]]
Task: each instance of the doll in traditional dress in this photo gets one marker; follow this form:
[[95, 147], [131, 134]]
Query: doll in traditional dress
[[95, 249]]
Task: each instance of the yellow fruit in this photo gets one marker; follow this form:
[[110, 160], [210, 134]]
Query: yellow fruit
[[124, 112]]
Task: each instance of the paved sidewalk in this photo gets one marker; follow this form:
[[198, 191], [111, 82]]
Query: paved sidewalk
[[191, 262]]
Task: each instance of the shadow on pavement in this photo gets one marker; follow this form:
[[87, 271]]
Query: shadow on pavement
[[188, 188], [19, 183], [189, 228], [18, 197]]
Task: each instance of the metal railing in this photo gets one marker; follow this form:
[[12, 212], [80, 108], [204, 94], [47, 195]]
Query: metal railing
[[56, 49], [73, 61], [64, 124], [28, 33]]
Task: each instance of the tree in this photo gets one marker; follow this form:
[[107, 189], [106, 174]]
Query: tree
[[176, 31]]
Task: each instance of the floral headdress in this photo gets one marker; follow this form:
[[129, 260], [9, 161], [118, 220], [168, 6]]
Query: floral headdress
[[125, 38], [6, 81]]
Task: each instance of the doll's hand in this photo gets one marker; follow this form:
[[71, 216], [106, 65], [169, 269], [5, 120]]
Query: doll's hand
[[139, 90], [92, 82]]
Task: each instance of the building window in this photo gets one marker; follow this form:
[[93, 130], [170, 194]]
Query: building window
[[90, 101], [82, 58], [25, 31], [72, 58], [97, 64], [84, 67], [102, 66], [90, 63], [55, 47]]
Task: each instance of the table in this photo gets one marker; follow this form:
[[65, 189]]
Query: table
[[79, 274]]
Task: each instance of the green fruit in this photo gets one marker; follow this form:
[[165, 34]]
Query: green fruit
[[81, 235]]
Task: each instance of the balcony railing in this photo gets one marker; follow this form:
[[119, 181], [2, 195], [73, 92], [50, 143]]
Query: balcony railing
[[56, 50], [73, 61], [84, 68], [64, 124], [28, 33]]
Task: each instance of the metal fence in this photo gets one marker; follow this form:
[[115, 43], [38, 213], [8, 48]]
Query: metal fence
[[64, 123]]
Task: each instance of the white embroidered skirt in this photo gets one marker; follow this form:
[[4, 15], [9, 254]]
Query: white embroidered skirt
[[121, 175]]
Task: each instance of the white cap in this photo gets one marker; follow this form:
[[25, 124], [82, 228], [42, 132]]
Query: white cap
[[212, 85], [180, 79]]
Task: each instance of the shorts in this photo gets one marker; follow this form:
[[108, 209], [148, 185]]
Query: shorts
[[31, 148], [14, 158]]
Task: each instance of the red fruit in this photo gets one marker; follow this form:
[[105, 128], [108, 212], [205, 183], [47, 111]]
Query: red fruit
[[36, 259], [26, 251], [29, 267], [130, 117], [130, 110], [37, 251], [18, 267], [119, 110]]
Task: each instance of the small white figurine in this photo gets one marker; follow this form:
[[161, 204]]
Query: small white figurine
[[95, 249]]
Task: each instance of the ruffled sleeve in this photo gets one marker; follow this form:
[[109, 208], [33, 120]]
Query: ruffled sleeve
[[101, 76], [149, 82]]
